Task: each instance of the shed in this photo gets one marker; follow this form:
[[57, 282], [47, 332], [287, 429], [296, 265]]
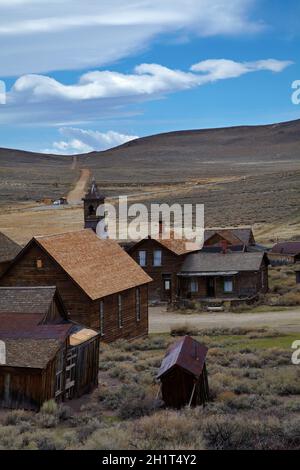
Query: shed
[[43, 354], [183, 374], [285, 253]]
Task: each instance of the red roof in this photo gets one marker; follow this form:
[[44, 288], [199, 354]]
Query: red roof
[[188, 354]]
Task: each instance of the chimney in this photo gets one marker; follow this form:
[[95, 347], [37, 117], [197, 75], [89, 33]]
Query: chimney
[[160, 226], [224, 245]]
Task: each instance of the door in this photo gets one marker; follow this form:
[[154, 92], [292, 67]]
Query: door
[[167, 287], [210, 287]]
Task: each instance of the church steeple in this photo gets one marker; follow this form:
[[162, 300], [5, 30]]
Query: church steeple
[[91, 201]]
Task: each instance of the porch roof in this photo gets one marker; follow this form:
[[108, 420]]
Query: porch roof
[[211, 274]]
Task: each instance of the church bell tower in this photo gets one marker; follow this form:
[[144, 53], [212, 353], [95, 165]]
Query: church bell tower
[[91, 201]]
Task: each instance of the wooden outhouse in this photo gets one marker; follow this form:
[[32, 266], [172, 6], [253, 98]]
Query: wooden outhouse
[[183, 374]]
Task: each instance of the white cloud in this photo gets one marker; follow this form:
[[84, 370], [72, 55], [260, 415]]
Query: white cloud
[[105, 94], [38, 36], [84, 141]]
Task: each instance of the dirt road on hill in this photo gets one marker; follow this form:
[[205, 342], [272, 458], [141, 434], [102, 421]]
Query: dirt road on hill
[[75, 196], [161, 321]]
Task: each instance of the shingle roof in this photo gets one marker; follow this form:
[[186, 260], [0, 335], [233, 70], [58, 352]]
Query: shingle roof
[[233, 235], [215, 262], [29, 344], [26, 299], [179, 247], [286, 248], [188, 354], [99, 267], [31, 353], [8, 248]]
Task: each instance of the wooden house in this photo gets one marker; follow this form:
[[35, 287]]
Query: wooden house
[[161, 259], [230, 238], [100, 284], [183, 374], [8, 250], [285, 253], [223, 276], [43, 355]]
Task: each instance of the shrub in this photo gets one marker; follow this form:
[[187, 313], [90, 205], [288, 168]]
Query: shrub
[[131, 409], [185, 329], [16, 417]]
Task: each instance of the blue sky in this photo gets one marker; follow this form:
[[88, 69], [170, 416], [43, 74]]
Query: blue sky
[[90, 75]]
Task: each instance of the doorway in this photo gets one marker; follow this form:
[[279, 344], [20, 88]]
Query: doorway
[[210, 287]]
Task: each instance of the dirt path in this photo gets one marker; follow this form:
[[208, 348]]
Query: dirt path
[[161, 321], [75, 196]]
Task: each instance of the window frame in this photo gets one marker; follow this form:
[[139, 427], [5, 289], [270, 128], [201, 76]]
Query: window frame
[[138, 304], [101, 317], [120, 311], [228, 280], [145, 259], [160, 259], [194, 286]]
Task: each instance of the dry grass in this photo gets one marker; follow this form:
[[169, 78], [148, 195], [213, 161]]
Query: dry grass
[[255, 403]]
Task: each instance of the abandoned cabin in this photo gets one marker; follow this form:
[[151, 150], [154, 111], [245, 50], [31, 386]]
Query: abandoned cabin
[[101, 286], [222, 276], [284, 253], [183, 374], [8, 250], [43, 355], [164, 260]]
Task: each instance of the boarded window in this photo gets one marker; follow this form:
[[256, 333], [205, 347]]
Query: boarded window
[[101, 311], [138, 303], [228, 285], [142, 258], [120, 312], [194, 285], [157, 256]]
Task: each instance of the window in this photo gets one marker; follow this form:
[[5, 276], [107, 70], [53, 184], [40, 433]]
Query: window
[[228, 285], [167, 284], [142, 258], [39, 263], [194, 285], [138, 304], [120, 316], [70, 372], [157, 258], [101, 311], [59, 374]]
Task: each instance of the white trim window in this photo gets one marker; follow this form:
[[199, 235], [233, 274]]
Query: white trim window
[[138, 303], [120, 312], [157, 257], [228, 285], [101, 313], [143, 258], [194, 285]]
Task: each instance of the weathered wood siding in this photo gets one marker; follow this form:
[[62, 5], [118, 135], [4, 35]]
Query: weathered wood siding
[[80, 307], [171, 264], [20, 388], [244, 284], [132, 326]]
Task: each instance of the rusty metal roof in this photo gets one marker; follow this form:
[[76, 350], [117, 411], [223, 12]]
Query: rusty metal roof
[[99, 267], [286, 248], [188, 354], [215, 262], [8, 248], [231, 234]]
